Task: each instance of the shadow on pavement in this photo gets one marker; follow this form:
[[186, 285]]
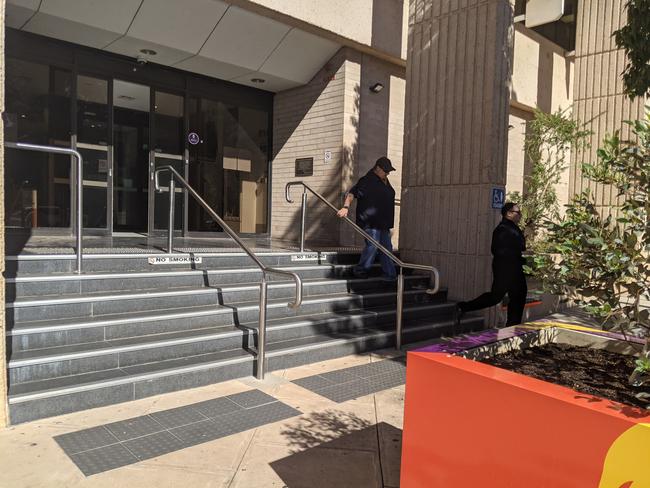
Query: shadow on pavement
[[338, 449]]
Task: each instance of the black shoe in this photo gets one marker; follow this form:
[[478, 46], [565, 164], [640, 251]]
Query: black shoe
[[360, 274], [389, 279], [459, 312]]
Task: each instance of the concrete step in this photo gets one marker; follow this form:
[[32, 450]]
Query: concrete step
[[42, 285], [38, 399], [30, 335], [56, 362], [99, 304], [117, 263]]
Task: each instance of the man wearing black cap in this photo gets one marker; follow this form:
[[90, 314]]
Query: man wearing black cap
[[375, 214]]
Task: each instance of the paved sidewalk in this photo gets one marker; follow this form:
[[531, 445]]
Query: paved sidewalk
[[352, 443]]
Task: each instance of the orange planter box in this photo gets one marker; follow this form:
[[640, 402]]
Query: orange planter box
[[469, 424]]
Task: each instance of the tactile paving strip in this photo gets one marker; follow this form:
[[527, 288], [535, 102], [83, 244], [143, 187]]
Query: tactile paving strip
[[345, 384], [127, 442]]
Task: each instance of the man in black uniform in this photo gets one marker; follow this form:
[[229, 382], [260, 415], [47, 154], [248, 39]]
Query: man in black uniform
[[508, 244], [375, 214]]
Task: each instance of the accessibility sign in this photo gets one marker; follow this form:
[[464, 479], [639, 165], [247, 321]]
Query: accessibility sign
[[498, 198]]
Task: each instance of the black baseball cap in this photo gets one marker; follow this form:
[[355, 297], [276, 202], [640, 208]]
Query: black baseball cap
[[385, 164]]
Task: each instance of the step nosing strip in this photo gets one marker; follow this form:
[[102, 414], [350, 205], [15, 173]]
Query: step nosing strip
[[25, 397], [217, 254], [219, 309], [158, 274], [180, 293]]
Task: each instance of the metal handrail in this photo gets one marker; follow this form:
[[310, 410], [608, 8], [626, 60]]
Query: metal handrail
[[400, 278], [261, 331], [75, 154]]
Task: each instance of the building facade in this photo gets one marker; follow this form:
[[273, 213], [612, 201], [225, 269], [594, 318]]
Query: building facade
[[243, 96]]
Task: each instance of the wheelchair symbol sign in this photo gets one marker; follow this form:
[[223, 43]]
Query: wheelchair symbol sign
[[498, 197]]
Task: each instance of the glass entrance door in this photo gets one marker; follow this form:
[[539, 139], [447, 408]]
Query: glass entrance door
[[131, 135], [169, 150]]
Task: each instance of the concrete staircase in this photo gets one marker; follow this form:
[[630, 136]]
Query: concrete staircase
[[125, 329]]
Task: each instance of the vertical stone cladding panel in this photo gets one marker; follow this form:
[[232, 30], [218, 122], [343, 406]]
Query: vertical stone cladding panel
[[598, 89], [4, 418], [455, 136]]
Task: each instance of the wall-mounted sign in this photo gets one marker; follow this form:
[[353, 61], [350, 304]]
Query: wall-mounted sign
[[193, 138], [498, 197], [304, 167], [540, 12], [328, 156]]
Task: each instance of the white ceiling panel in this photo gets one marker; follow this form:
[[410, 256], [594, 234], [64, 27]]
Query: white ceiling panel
[[19, 11], [67, 30], [110, 15], [299, 56], [244, 39], [130, 46], [211, 67], [182, 25], [271, 83]]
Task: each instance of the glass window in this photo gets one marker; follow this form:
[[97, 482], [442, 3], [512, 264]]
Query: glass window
[[92, 110], [38, 111], [169, 123], [229, 166], [130, 156]]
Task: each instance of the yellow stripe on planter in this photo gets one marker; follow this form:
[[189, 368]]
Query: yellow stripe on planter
[[627, 463]]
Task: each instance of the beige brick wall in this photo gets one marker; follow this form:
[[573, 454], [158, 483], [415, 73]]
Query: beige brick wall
[[457, 96], [308, 121], [4, 418], [336, 112]]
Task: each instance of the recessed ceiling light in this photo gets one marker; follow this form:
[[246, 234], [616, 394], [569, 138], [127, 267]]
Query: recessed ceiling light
[[148, 52], [258, 80]]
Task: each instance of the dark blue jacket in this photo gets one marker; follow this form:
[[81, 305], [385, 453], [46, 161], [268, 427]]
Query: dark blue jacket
[[375, 202]]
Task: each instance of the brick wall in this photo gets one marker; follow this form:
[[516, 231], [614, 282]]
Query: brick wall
[[335, 112]]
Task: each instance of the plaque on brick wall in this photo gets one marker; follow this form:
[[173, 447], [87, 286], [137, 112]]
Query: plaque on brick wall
[[304, 166]]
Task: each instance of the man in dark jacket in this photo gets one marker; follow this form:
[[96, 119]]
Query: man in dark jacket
[[375, 214], [508, 244]]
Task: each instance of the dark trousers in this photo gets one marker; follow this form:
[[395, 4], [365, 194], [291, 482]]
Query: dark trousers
[[508, 279]]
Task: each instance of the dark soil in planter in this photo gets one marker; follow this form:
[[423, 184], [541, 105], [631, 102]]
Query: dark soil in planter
[[591, 371]]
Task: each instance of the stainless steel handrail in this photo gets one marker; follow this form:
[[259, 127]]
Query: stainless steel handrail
[[400, 278], [75, 154], [261, 331]]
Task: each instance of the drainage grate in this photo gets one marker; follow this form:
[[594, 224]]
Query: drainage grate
[[345, 384], [118, 444]]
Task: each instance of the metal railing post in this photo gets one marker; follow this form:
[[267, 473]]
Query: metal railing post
[[303, 214], [77, 156], [400, 308], [261, 329], [170, 235]]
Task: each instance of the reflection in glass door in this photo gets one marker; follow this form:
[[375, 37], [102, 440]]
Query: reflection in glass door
[[229, 166], [169, 150], [93, 144], [131, 108]]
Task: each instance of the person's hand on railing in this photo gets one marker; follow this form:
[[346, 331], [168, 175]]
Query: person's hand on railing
[[343, 213]]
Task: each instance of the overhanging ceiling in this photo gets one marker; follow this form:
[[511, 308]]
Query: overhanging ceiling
[[209, 37]]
